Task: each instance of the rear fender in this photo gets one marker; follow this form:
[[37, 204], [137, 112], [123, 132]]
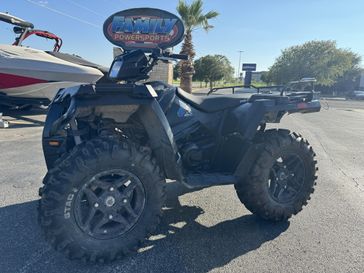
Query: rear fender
[[247, 118], [251, 152]]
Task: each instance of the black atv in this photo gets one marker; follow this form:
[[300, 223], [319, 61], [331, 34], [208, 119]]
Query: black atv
[[110, 147]]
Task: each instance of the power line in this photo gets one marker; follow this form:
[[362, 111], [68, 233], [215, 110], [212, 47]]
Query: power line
[[64, 14], [85, 8]]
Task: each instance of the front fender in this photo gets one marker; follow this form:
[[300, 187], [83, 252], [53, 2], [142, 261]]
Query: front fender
[[118, 104], [161, 139]]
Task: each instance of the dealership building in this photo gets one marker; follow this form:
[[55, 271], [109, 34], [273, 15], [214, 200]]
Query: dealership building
[[361, 85]]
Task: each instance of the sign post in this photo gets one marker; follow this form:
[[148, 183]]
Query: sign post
[[248, 68]]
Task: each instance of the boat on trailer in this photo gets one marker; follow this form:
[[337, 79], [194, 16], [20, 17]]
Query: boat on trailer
[[30, 76]]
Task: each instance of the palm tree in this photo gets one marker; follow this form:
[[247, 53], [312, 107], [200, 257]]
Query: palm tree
[[193, 18]]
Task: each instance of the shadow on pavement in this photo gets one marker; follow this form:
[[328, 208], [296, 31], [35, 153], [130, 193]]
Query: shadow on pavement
[[180, 244], [24, 118]]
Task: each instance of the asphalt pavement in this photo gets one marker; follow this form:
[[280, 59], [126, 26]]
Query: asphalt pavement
[[207, 230]]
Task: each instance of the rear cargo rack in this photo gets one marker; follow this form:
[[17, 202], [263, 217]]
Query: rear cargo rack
[[260, 89], [296, 90]]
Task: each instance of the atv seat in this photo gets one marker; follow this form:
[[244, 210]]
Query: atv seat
[[212, 103]]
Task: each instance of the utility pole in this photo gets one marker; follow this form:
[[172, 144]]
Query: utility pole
[[239, 68]]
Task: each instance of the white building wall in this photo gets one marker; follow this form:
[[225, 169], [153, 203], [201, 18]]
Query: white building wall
[[362, 81]]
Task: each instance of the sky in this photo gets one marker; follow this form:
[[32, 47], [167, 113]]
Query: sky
[[260, 28]]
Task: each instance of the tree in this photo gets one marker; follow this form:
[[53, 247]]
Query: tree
[[176, 68], [348, 82], [266, 77], [193, 17], [319, 59], [212, 68]]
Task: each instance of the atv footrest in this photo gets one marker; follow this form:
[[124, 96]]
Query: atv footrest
[[208, 180]]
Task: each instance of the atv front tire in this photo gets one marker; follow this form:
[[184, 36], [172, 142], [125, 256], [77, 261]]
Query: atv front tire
[[281, 180], [102, 200]]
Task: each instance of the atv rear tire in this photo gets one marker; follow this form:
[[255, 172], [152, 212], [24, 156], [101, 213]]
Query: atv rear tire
[[281, 180], [102, 200]]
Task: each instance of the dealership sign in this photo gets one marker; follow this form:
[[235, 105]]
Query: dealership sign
[[144, 28], [249, 67]]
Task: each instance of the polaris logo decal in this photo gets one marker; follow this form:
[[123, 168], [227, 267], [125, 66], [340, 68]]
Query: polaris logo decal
[[184, 110]]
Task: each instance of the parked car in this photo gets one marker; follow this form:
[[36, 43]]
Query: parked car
[[355, 95]]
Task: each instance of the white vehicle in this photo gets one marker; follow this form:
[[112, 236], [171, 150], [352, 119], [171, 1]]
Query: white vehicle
[[356, 95]]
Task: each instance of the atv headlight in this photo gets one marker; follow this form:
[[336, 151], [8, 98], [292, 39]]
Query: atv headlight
[[114, 71]]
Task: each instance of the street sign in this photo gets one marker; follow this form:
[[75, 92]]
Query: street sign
[[249, 67]]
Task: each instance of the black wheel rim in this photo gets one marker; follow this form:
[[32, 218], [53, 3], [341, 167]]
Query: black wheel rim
[[286, 178], [109, 204]]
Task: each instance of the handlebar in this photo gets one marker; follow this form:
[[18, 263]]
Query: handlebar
[[167, 56], [178, 56]]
